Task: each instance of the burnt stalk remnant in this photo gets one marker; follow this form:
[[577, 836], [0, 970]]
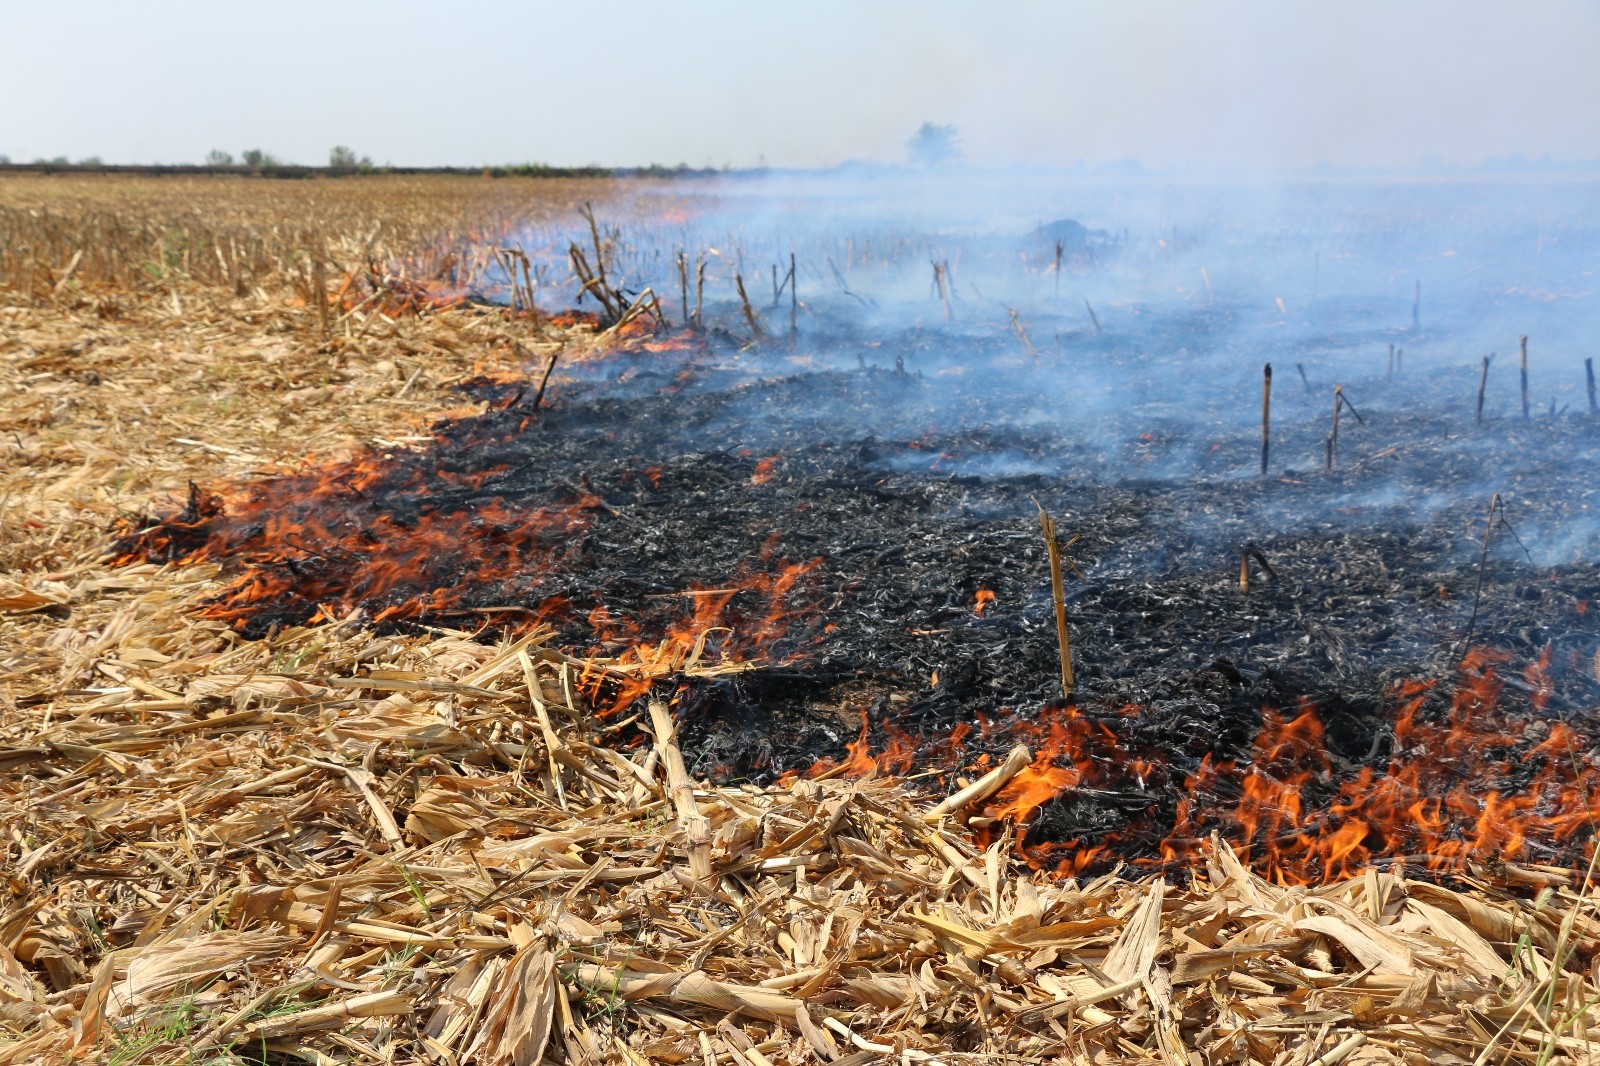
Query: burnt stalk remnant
[[1266, 416], [538, 397], [683, 285], [1340, 402], [941, 287], [1252, 550], [749, 312], [1522, 365], [1332, 455], [1052, 546], [1495, 505]]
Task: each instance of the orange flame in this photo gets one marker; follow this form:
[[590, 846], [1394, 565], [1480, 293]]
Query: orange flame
[[1477, 783], [764, 470]]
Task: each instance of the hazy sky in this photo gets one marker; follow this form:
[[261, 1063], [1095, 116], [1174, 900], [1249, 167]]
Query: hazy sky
[[1170, 82]]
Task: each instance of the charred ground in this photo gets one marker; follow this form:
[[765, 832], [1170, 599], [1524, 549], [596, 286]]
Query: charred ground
[[865, 506]]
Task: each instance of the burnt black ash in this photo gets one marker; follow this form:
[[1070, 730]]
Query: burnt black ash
[[902, 480]]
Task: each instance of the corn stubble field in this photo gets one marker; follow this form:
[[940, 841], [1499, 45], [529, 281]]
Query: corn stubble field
[[337, 845]]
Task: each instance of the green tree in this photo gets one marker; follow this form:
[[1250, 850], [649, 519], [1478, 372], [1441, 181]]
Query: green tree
[[218, 158], [341, 157]]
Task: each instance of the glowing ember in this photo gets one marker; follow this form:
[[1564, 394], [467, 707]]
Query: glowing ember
[[764, 470]]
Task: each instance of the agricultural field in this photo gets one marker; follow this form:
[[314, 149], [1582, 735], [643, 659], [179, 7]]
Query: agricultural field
[[371, 690]]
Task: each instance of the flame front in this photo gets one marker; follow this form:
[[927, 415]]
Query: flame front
[[1475, 784]]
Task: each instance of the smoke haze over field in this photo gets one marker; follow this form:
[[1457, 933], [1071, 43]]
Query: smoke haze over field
[[1139, 352], [1241, 84]]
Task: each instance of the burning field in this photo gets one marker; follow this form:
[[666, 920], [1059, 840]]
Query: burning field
[[627, 632]]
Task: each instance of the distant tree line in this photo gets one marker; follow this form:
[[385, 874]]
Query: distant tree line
[[265, 164]]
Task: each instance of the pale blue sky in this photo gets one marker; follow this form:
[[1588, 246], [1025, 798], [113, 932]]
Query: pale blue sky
[[1224, 83]]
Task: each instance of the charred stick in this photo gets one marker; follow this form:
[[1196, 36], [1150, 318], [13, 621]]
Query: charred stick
[[1052, 547], [538, 397], [683, 284], [1303, 379], [749, 312], [594, 284], [699, 287], [1348, 406], [1092, 316], [1333, 437], [1255, 552], [794, 302], [645, 301], [503, 261], [776, 292], [1399, 360], [514, 258], [1588, 372], [1495, 504], [599, 249], [1483, 385], [1060, 247], [1022, 333], [843, 286], [1391, 361], [510, 260], [941, 282], [1266, 416], [1248, 552], [580, 270], [1522, 365], [527, 281]]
